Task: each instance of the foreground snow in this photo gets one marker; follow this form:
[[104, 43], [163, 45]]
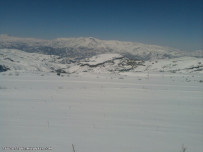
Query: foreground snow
[[99, 113]]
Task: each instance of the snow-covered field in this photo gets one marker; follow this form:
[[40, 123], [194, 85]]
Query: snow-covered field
[[134, 112]]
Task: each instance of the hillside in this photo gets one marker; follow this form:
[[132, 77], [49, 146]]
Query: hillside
[[88, 47], [17, 60]]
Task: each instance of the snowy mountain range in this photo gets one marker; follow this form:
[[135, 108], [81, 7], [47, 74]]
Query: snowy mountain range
[[87, 47], [74, 55]]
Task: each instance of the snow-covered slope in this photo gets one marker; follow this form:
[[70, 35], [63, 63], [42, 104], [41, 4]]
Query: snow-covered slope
[[182, 65], [12, 59], [101, 113], [87, 47], [22, 61]]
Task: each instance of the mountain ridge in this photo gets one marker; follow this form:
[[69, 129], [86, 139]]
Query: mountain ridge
[[83, 47]]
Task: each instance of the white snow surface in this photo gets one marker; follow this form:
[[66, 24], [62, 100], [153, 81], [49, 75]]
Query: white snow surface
[[99, 113]]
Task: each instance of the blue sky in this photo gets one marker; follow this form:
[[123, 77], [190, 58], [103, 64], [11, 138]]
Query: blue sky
[[173, 23]]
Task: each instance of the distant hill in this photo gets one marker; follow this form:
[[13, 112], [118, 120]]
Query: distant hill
[[87, 47]]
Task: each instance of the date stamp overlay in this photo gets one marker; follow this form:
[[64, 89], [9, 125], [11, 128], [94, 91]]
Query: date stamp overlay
[[16, 148]]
